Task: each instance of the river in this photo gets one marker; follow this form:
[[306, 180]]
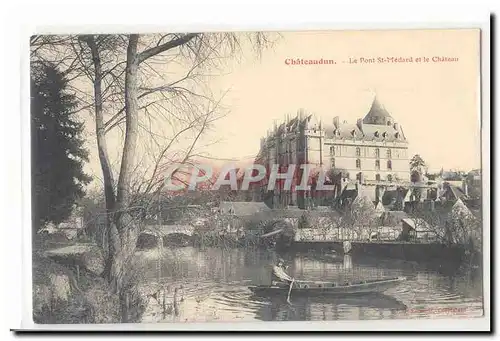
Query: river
[[212, 285]]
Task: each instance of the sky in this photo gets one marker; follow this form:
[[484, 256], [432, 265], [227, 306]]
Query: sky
[[435, 102]]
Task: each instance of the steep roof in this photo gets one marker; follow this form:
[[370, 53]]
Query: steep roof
[[379, 208], [418, 224], [363, 198], [378, 132], [343, 131], [457, 192], [377, 114]]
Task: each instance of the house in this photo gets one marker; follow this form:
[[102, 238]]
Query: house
[[417, 229], [389, 225], [474, 183], [347, 195], [71, 228], [456, 219], [392, 198], [451, 192]]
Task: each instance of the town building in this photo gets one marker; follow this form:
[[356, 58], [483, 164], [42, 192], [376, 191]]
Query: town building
[[372, 150]]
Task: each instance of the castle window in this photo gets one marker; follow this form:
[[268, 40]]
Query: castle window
[[358, 151], [389, 164], [389, 177], [333, 162], [359, 176], [377, 153], [377, 177], [377, 164], [358, 163], [332, 150], [389, 153]]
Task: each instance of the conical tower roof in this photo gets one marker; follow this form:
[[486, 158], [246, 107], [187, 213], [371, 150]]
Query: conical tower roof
[[377, 114]]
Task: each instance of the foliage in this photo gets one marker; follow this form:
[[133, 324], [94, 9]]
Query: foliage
[[451, 224], [417, 168], [360, 213], [57, 147], [432, 176], [336, 174]]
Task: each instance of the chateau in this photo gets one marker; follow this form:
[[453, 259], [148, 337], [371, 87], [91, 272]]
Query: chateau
[[374, 150]]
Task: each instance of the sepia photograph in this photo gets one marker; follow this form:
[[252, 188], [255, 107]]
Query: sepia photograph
[[256, 176]]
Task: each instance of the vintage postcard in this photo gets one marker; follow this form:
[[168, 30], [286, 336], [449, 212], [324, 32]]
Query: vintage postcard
[[237, 177]]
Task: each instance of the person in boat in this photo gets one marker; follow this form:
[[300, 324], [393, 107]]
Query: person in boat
[[279, 275]]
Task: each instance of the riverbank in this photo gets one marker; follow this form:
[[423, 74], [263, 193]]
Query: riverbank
[[59, 297], [398, 250]]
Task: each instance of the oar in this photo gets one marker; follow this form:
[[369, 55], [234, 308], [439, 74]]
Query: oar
[[290, 291]]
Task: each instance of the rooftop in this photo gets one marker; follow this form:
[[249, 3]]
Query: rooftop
[[377, 114]]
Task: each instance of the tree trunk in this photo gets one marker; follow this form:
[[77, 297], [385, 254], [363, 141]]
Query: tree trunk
[[131, 124], [100, 133], [124, 231]]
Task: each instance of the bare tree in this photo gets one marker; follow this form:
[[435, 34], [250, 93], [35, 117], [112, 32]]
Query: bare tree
[[451, 225], [129, 89]]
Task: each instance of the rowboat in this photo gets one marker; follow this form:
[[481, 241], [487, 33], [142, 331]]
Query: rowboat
[[328, 288]]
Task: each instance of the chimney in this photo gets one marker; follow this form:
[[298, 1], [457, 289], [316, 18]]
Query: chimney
[[336, 121], [433, 206], [465, 187]]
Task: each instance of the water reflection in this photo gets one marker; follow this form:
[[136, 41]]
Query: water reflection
[[331, 308], [215, 284]]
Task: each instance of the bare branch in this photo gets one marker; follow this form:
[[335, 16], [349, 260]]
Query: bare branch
[[166, 46]]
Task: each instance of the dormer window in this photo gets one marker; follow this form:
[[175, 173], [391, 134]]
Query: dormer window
[[397, 135], [384, 135], [353, 133], [376, 134]]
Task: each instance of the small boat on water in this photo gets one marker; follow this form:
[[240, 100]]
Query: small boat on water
[[329, 288]]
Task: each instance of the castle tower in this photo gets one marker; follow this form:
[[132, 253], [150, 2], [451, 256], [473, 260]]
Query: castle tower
[[378, 115]]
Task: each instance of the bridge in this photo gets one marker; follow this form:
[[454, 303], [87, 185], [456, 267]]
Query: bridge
[[165, 230]]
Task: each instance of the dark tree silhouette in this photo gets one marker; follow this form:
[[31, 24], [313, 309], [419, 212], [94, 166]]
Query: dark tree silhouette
[[56, 146]]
